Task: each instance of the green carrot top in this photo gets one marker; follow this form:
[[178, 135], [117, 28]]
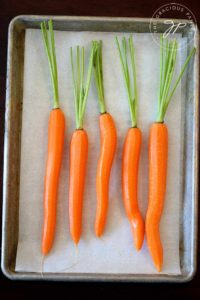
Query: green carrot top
[[168, 56], [98, 74], [81, 89], [129, 74], [49, 42]]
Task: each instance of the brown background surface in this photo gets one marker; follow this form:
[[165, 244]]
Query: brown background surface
[[33, 290]]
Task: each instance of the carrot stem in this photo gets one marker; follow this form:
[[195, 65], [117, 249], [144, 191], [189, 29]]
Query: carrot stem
[[98, 74], [49, 42], [132, 55], [161, 67], [168, 56], [81, 89], [130, 81], [192, 52]]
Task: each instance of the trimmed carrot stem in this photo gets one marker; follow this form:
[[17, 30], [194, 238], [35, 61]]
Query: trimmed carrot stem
[[49, 43]]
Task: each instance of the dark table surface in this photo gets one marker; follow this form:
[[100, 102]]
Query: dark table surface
[[125, 8]]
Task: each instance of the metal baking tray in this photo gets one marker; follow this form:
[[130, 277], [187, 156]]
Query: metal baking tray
[[13, 123]]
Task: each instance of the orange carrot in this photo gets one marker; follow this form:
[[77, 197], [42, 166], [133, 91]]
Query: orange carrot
[[158, 150], [55, 147], [53, 165], [158, 153], [130, 164], [108, 145], [79, 145], [131, 150], [78, 161]]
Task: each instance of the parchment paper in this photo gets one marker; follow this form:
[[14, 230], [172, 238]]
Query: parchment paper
[[114, 253]]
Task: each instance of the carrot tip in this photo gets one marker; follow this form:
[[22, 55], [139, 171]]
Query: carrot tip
[[76, 241], [137, 227], [159, 268], [75, 238], [138, 246], [45, 251], [98, 230], [98, 234]]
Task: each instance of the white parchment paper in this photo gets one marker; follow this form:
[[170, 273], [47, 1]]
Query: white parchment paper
[[114, 253]]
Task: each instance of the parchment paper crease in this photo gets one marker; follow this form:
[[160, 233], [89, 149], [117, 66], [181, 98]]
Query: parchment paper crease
[[114, 253]]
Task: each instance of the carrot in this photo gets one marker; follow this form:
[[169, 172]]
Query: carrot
[[79, 144], [55, 146], [53, 166], [158, 153], [107, 151], [108, 145], [132, 147], [78, 161], [158, 149], [130, 166]]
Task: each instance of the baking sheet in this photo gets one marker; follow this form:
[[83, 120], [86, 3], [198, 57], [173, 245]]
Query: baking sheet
[[114, 253]]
